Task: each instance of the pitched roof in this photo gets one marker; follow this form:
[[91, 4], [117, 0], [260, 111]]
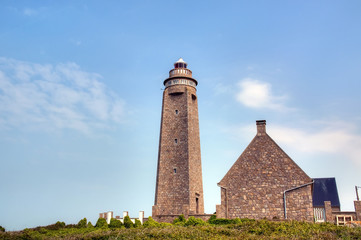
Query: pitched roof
[[325, 189], [263, 156]]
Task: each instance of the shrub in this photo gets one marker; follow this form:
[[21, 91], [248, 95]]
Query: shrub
[[236, 221], [180, 220], [101, 223], [42, 230], [71, 226], [212, 218], [114, 223], [221, 221], [56, 226], [164, 224], [137, 223], [89, 225], [128, 223], [192, 221], [82, 223], [150, 223], [60, 224], [2, 229]]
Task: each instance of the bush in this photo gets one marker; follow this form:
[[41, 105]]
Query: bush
[[82, 223], [114, 223], [151, 223], [56, 226], [222, 221], [164, 224], [71, 226], [180, 220], [137, 223], [89, 225], [212, 218], [101, 223], [2, 229], [128, 223], [192, 221]]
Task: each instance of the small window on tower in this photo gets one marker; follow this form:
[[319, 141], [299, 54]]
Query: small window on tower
[[176, 140], [174, 170], [176, 112]]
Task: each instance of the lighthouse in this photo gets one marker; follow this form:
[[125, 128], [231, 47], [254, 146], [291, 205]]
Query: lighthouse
[[179, 187]]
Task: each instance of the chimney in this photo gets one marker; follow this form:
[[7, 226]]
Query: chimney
[[261, 127]]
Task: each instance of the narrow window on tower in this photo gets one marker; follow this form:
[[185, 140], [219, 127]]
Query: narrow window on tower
[[176, 112], [197, 206], [175, 170], [176, 141]]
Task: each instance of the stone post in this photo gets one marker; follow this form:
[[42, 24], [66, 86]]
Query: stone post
[[328, 211], [219, 211], [358, 210], [141, 216]]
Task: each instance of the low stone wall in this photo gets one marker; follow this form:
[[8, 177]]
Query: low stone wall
[[340, 213]]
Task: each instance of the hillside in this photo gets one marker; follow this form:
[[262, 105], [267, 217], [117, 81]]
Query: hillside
[[190, 229]]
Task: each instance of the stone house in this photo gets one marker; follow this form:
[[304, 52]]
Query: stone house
[[265, 182]]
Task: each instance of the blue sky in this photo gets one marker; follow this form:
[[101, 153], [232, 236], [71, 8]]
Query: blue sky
[[80, 96]]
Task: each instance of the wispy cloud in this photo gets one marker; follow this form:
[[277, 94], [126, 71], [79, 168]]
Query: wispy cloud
[[55, 96], [336, 138], [331, 137], [253, 93], [30, 12], [76, 42]]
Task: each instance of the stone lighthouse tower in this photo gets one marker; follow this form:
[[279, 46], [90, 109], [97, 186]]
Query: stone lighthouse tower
[[179, 188]]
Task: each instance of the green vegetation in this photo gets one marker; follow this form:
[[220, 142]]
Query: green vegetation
[[2, 229], [82, 223], [151, 223], [89, 225], [128, 223], [137, 223], [181, 220], [114, 223], [191, 228], [101, 223]]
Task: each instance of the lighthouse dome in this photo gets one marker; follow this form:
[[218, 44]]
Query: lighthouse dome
[[180, 63]]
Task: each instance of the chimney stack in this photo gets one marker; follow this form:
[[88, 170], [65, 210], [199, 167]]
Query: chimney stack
[[261, 127]]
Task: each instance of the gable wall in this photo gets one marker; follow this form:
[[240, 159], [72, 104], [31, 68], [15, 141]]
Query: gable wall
[[256, 182]]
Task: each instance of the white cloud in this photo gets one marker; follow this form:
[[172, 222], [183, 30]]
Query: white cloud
[[332, 138], [30, 12], [55, 96], [256, 94]]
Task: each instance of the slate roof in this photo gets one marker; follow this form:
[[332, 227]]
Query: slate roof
[[325, 189]]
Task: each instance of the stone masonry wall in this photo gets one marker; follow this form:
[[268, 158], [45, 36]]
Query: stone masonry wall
[[328, 212], [358, 209], [299, 204], [194, 152], [179, 188], [256, 182]]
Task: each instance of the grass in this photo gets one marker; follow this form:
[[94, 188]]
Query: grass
[[242, 229]]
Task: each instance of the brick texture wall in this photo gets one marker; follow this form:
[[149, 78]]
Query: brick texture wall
[[328, 212], [179, 188], [254, 186], [358, 209]]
